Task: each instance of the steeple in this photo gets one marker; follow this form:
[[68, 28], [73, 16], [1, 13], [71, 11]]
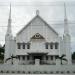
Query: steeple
[[66, 29], [8, 39], [9, 32], [66, 38]]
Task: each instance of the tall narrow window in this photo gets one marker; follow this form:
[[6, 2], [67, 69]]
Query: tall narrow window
[[23, 57], [56, 45], [56, 57], [46, 57], [27, 57], [28, 46], [46, 45], [51, 57], [23, 45], [19, 45], [19, 57], [51, 45]]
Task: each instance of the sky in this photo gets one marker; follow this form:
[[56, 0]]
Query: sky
[[52, 11]]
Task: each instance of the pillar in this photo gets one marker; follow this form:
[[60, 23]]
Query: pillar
[[49, 59], [26, 59], [54, 60], [30, 58], [44, 57], [21, 60]]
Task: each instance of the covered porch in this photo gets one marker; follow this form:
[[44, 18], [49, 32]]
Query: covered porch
[[37, 58]]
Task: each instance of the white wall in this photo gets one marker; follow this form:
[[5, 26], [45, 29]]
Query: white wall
[[38, 26], [42, 68]]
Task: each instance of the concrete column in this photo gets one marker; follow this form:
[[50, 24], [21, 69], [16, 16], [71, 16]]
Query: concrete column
[[54, 60], [49, 59], [26, 59], [21, 60], [30, 57], [44, 57], [54, 46]]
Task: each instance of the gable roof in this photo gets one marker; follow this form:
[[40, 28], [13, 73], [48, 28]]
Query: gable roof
[[33, 20]]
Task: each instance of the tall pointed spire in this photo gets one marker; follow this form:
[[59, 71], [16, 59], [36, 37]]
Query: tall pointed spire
[[9, 23], [66, 38], [66, 29], [10, 12]]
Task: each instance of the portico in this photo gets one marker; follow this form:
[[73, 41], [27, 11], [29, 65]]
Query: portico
[[44, 58]]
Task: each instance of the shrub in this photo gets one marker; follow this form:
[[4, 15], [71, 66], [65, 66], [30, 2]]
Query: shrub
[[68, 72], [7, 71], [57, 71], [1, 71], [51, 72]]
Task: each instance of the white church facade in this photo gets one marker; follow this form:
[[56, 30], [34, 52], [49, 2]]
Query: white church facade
[[37, 43]]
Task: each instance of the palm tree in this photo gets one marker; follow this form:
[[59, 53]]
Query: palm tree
[[11, 58], [62, 58]]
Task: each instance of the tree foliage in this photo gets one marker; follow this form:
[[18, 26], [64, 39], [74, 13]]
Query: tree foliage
[[11, 58], [73, 56], [1, 53], [62, 58]]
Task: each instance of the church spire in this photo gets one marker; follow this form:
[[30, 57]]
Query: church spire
[[66, 29], [9, 32], [66, 38]]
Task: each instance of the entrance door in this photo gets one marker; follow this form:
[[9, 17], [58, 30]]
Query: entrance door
[[37, 57]]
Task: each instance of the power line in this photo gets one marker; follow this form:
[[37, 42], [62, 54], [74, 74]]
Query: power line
[[37, 3], [38, 25]]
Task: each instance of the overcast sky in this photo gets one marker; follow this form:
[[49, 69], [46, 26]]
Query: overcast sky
[[52, 11]]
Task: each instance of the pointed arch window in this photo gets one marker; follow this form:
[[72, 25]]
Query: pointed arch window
[[56, 45], [23, 45], [51, 45], [28, 45], [46, 45], [19, 45]]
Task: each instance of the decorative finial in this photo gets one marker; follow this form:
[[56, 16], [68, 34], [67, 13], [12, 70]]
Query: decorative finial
[[37, 12]]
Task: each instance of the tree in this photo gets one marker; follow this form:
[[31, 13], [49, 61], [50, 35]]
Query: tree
[[62, 58], [11, 58], [73, 56], [1, 53]]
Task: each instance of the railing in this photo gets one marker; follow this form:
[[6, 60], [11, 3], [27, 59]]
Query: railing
[[47, 62], [41, 62], [28, 62]]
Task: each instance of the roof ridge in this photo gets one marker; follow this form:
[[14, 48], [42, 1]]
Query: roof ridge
[[32, 20]]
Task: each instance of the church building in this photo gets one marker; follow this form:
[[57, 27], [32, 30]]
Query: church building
[[37, 43]]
